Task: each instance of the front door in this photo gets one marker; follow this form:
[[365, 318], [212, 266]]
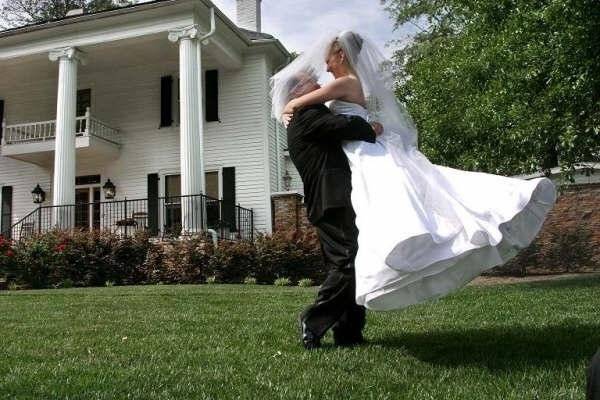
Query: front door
[[87, 208]]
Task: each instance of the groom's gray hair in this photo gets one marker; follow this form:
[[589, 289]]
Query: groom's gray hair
[[298, 78]]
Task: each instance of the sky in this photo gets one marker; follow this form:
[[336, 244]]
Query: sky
[[296, 23]]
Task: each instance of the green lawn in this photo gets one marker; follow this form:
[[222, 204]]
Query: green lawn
[[522, 341]]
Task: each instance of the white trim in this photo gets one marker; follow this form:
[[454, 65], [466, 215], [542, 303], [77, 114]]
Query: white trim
[[557, 170], [157, 25], [267, 160], [277, 154]]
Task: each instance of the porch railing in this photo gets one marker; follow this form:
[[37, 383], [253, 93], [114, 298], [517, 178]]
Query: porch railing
[[46, 130], [160, 217]]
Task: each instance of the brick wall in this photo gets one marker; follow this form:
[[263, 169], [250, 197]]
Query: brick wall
[[569, 240], [289, 214]]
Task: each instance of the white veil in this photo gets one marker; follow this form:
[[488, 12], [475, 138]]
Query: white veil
[[375, 74], [373, 71]]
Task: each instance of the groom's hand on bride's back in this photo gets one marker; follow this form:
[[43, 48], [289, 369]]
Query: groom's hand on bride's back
[[377, 127], [286, 118]]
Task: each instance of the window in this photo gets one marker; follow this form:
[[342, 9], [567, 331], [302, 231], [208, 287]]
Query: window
[[211, 95], [84, 100], [212, 184], [172, 185], [166, 101]]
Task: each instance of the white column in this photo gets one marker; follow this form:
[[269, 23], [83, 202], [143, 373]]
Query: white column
[[191, 128], [64, 152]]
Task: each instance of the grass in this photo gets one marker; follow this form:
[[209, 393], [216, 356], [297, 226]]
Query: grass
[[521, 341]]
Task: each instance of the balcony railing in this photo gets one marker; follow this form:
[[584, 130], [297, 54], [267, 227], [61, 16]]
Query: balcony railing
[[46, 130], [160, 217]]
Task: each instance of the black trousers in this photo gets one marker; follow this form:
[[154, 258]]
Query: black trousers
[[335, 303]]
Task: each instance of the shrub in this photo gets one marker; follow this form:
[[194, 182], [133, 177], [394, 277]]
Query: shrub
[[283, 282], [83, 258], [184, 261], [7, 257], [280, 255], [67, 283], [306, 282], [249, 280], [35, 259], [233, 261]]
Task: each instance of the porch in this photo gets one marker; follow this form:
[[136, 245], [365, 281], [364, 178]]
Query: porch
[[160, 217], [34, 142]]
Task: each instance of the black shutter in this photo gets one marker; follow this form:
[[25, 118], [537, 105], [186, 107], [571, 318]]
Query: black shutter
[[229, 216], [6, 214], [166, 98], [153, 204], [1, 118], [211, 94]]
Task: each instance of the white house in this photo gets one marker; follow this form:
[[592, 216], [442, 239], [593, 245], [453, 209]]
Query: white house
[[168, 100]]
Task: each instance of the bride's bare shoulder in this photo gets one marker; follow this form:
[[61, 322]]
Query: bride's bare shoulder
[[353, 89]]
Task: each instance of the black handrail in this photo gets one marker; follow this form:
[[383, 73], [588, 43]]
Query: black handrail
[[174, 216]]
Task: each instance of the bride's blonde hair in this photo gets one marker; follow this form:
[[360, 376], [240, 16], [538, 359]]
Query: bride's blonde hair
[[347, 38]]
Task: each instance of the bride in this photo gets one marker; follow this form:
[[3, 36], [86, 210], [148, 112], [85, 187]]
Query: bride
[[425, 230]]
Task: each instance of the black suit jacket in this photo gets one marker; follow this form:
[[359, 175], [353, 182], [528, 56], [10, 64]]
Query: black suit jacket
[[314, 142]]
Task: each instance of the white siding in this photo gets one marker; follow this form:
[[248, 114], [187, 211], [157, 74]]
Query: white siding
[[129, 99]]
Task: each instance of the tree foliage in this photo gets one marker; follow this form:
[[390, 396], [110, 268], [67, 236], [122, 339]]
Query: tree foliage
[[503, 86], [17, 13]]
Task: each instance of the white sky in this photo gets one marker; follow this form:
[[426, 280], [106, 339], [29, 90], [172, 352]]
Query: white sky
[[297, 22]]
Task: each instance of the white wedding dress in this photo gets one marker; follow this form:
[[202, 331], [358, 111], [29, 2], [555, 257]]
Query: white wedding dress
[[410, 249]]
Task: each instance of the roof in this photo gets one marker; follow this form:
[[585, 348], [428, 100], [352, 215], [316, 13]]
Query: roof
[[250, 35], [557, 170]]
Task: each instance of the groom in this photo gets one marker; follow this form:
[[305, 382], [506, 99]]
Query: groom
[[314, 142]]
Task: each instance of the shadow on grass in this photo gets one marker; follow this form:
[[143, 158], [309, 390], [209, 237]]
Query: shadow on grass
[[501, 348]]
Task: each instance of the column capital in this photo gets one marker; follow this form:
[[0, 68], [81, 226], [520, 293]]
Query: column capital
[[72, 53], [187, 32]]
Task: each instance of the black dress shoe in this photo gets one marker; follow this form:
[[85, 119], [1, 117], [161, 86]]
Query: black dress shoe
[[348, 340], [309, 340]]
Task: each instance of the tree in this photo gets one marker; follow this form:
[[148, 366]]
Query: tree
[[503, 86], [15, 13]]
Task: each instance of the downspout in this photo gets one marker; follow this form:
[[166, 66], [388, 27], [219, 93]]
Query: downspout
[[278, 144]]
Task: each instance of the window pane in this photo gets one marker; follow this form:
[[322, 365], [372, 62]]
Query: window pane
[[212, 184], [172, 185]]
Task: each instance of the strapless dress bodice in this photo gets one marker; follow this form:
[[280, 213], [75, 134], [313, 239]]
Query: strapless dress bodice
[[348, 108]]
